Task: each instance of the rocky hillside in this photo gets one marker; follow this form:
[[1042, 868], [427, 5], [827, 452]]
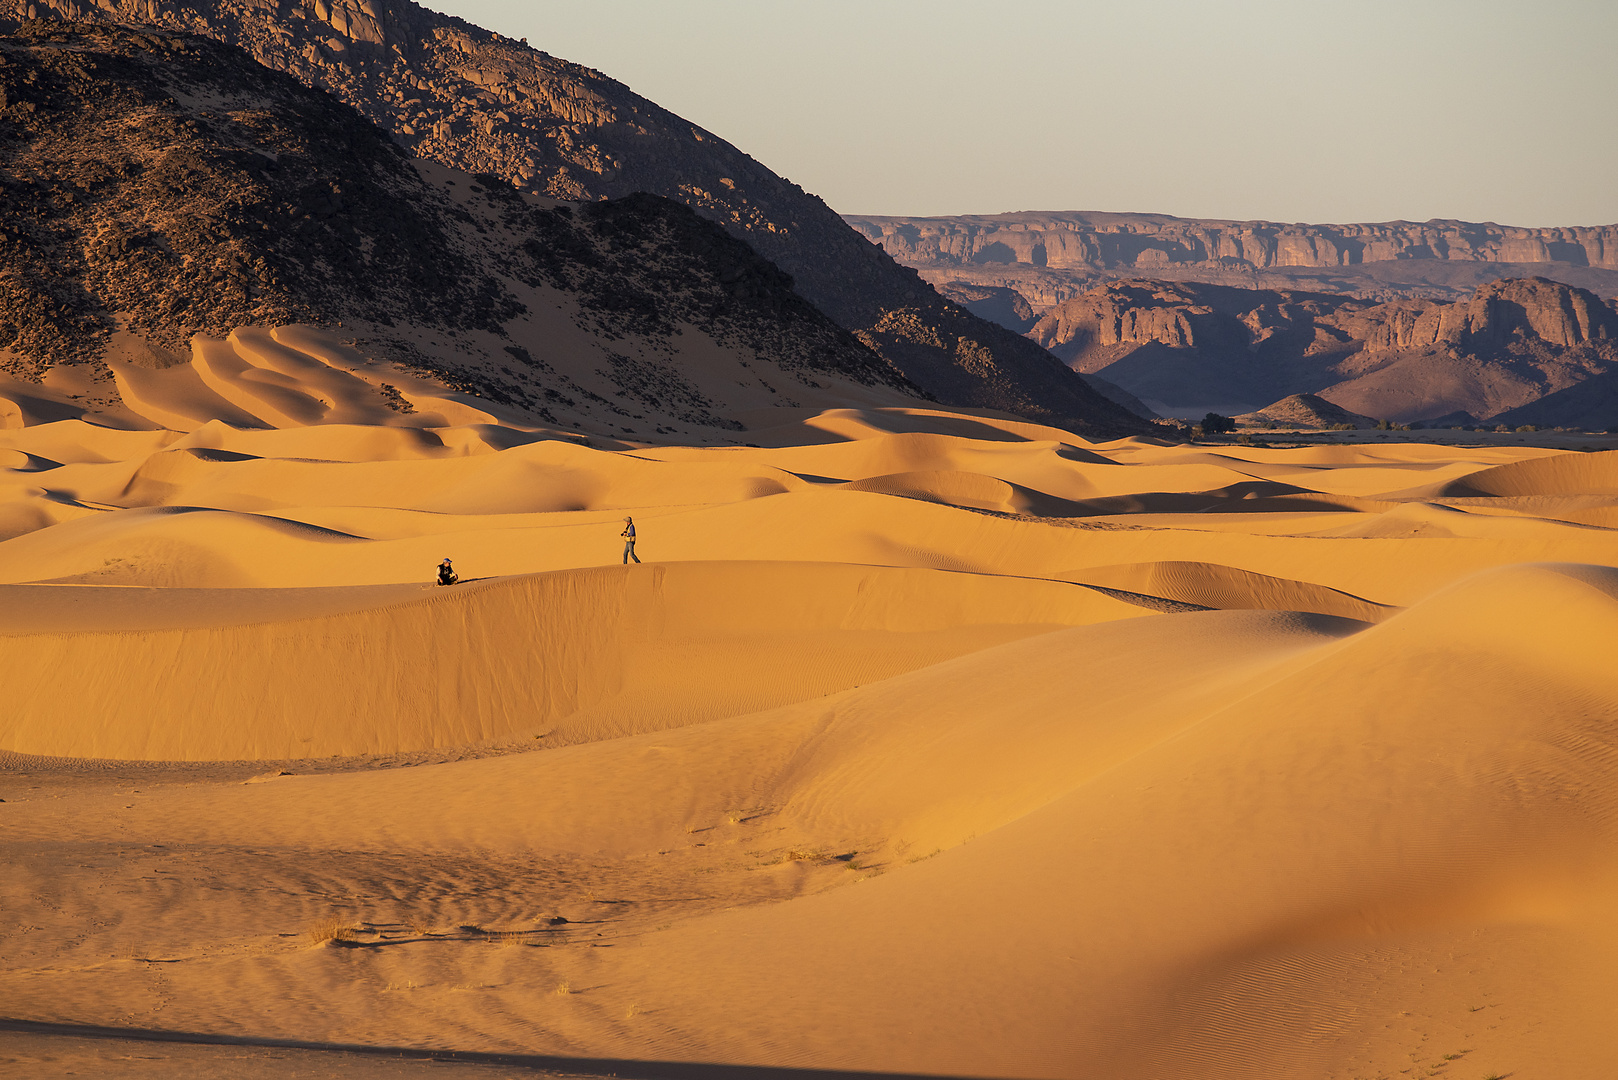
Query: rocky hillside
[[453, 93], [1046, 258], [1186, 347], [1305, 412], [159, 185]]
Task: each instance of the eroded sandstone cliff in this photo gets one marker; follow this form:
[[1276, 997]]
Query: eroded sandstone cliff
[[1183, 346], [1051, 257]]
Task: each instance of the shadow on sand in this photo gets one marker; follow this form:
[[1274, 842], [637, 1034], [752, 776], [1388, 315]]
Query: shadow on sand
[[624, 1069]]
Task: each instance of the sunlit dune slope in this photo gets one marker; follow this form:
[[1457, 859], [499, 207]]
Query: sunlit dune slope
[[1306, 847], [1254, 895], [1564, 474], [918, 761], [215, 674], [921, 743]]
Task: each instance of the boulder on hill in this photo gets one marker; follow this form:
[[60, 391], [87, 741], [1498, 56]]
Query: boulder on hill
[[454, 93], [1304, 412]]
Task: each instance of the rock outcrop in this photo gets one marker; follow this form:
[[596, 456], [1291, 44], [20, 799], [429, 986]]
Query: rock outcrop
[[1051, 257], [453, 93], [998, 304], [1182, 347], [1307, 412], [160, 185]]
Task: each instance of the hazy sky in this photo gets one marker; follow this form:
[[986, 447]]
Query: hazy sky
[[1292, 110]]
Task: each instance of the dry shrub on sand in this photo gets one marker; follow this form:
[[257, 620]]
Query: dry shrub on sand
[[333, 929]]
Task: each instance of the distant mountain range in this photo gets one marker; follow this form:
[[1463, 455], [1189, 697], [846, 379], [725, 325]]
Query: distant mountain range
[[1398, 321], [1517, 351], [450, 92], [1047, 258]]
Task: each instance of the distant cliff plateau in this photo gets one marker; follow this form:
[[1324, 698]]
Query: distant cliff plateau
[[451, 92], [1014, 267], [1517, 351]]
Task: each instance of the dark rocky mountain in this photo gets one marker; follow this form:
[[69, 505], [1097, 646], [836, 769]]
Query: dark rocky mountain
[[1529, 350], [1047, 258], [456, 94], [162, 185]]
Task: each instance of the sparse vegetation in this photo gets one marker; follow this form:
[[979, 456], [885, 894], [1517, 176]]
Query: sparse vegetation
[[333, 929]]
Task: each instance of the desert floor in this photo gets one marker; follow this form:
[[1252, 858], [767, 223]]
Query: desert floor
[[920, 743]]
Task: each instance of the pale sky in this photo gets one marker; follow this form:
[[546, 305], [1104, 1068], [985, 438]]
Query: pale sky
[[1287, 110]]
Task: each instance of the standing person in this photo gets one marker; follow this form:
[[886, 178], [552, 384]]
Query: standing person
[[446, 573], [629, 540]]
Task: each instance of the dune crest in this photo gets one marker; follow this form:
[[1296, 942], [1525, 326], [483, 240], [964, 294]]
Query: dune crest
[[568, 656]]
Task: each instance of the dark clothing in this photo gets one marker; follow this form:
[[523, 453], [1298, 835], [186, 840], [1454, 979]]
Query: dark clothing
[[629, 550], [446, 576]]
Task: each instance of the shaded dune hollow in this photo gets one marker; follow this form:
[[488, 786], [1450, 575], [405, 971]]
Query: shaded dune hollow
[[921, 744]]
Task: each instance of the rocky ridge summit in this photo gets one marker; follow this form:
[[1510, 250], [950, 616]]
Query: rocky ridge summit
[[1046, 258], [1514, 349], [159, 186], [453, 93]]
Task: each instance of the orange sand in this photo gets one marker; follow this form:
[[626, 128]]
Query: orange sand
[[921, 743]]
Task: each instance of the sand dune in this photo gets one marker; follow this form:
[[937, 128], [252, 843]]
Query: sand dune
[[565, 657], [1563, 474], [289, 377], [1242, 872], [923, 743], [1207, 585]]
